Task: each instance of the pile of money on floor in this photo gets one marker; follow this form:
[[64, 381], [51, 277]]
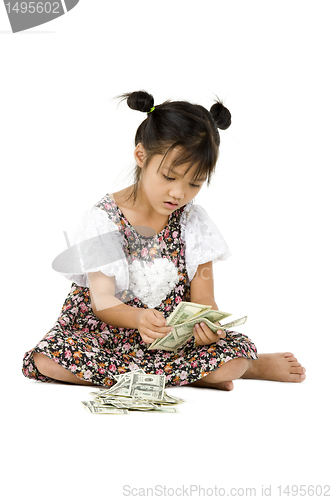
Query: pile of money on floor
[[135, 390]]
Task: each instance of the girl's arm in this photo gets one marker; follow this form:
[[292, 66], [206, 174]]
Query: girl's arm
[[202, 286], [106, 306], [202, 292], [150, 323]]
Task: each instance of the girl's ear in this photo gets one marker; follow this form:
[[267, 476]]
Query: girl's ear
[[139, 154]]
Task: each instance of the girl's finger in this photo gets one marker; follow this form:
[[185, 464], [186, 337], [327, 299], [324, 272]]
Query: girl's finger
[[202, 335], [157, 319], [197, 337], [161, 327], [155, 335], [209, 334], [147, 339], [214, 337], [221, 333]]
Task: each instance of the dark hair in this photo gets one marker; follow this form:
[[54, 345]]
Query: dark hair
[[179, 123]]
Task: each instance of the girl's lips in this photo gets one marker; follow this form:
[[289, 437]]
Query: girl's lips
[[169, 205]]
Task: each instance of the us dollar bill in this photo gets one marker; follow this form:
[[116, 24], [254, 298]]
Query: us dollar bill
[[95, 408], [183, 319], [134, 391], [140, 385]]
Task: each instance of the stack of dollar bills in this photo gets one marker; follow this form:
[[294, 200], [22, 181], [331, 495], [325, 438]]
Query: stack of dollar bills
[[135, 390], [183, 319]]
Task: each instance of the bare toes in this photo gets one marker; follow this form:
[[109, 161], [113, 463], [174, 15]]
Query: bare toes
[[287, 354], [297, 369], [297, 377]]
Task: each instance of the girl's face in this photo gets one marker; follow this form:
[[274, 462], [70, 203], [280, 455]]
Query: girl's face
[[159, 187]]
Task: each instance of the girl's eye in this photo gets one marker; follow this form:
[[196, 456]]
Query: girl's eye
[[172, 179]]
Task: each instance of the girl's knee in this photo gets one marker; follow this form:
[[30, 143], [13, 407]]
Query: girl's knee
[[240, 362], [236, 367], [43, 363]]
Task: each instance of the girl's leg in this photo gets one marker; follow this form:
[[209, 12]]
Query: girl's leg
[[50, 368], [222, 377], [276, 366]]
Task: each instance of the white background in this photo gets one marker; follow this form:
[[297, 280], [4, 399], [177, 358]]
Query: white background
[[65, 143]]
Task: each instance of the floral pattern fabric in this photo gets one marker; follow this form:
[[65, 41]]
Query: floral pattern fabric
[[96, 351]]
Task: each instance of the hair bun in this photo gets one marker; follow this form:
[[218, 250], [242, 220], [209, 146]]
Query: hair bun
[[140, 101], [221, 115]]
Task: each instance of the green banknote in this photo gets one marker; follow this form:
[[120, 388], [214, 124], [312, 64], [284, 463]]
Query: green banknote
[[133, 391], [183, 319]]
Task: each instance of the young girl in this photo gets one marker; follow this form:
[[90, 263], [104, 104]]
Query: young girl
[[143, 250]]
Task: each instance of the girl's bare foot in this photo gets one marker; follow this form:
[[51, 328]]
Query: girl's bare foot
[[278, 366]]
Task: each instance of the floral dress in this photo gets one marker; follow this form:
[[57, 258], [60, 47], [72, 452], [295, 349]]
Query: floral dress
[[152, 272]]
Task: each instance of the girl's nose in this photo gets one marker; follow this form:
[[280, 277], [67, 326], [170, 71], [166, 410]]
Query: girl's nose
[[176, 195]]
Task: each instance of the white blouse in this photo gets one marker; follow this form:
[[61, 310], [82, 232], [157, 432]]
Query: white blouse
[[203, 240], [96, 244]]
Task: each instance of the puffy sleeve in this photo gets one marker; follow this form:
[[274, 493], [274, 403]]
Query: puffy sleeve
[[203, 240], [94, 244]]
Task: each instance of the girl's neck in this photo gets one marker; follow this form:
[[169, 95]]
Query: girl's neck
[[126, 200], [134, 213]]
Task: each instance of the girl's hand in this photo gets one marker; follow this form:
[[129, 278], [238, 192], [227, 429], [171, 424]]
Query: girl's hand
[[152, 325], [204, 336]]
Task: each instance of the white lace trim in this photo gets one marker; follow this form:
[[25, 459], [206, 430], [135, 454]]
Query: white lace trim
[[152, 282], [185, 217], [203, 240]]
